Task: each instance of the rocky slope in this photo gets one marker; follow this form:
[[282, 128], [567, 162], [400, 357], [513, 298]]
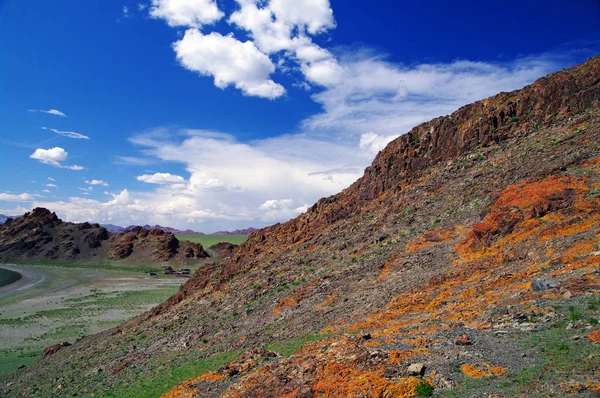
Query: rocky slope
[[41, 235], [466, 261]]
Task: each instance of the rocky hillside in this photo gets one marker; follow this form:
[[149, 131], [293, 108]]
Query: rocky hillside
[[465, 262], [41, 235]]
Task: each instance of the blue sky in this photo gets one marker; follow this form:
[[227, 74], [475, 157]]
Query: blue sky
[[223, 114]]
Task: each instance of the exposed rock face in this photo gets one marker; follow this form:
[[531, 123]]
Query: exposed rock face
[[443, 236], [224, 249], [41, 235], [53, 349]]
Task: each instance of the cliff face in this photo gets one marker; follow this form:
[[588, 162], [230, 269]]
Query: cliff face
[[41, 235], [466, 249]]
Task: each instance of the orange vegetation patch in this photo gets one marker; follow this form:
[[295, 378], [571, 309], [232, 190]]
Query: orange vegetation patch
[[340, 380], [212, 376], [482, 369], [400, 357], [294, 299], [573, 387], [521, 202], [332, 298], [387, 268], [431, 238], [594, 336], [189, 389]]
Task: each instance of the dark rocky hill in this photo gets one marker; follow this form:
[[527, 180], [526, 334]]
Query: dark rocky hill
[[41, 235], [466, 260]]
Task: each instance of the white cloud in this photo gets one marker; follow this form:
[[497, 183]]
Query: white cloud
[[161, 178], [229, 61], [186, 13], [8, 197], [46, 191], [126, 12], [51, 185], [49, 111], [374, 95], [372, 143], [69, 134], [133, 160], [275, 204], [97, 182], [53, 157], [51, 179], [86, 189]]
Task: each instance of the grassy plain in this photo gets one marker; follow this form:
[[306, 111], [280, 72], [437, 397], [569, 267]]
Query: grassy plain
[[71, 301], [209, 240]]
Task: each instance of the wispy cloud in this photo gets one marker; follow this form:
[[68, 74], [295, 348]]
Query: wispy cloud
[[69, 134], [133, 160], [49, 111]]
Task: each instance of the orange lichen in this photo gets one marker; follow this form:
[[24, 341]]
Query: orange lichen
[[399, 357], [332, 298], [430, 238], [294, 299], [594, 336], [518, 203], [387, 268], [212, 376], [482, 369], [341, 380]]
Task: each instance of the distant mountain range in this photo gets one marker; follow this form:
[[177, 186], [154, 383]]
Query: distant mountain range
[[3, 218], [175, 231], [117, 228]]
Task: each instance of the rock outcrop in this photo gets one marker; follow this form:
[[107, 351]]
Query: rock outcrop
[[41, 235]]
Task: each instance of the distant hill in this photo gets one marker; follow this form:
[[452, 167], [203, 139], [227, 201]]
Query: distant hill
[[246, 231], [41, 235]]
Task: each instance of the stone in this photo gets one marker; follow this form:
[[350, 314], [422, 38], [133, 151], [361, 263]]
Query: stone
[[416, 369], [463, 339], [539, 285]]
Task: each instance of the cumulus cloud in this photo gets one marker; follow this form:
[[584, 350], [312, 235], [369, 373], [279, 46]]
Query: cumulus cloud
[[49, 111], [229, 61], [161, 178], [9, 197], [69, 134], [97, 182], [186, 13], [54, 157], [51, 185]]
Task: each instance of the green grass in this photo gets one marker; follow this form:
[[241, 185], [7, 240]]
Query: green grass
[[10, 360], [210, 240], [153, 387], [562, 358], [76, 301], [104, 266], [287, 347]]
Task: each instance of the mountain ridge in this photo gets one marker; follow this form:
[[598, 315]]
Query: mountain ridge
[[442, 237]]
